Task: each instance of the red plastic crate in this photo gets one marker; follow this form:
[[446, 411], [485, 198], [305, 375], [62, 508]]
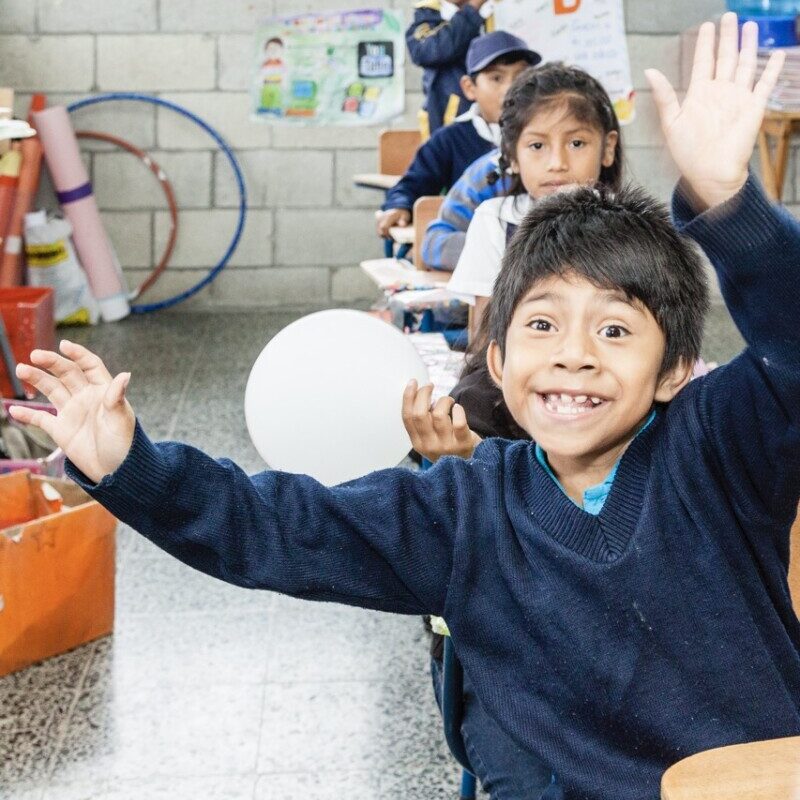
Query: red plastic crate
[[28, 314]]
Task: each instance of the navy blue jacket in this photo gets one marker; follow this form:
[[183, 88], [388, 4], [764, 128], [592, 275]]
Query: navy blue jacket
[[438, 164], [607, 646], [441, 49]]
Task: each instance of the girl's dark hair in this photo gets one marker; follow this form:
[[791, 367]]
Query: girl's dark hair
[[549, 85], [616, 240]]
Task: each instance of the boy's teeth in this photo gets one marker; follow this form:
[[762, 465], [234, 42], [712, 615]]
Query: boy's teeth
[[565, 398], [581, 398], [596, 400]]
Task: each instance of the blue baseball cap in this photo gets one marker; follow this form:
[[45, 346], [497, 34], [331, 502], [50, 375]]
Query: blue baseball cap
[[485, 49]]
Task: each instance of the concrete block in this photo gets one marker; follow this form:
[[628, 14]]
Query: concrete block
[[652, 168], [97, 16], [410, 117], [121, 182], [228, 112], [47, 63], [161, 62], [349, 163], [645, 130], [235, 61], [327, 137], [134, 122], [350, 284], [204, 234], [656, 16], [334, 237], [278, 178], [273, 287], [18, 16], [304, 6], [660, 52], [131, 233], [189, 15], [172, 282]]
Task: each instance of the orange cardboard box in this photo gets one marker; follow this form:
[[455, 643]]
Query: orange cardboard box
[[56, 569]]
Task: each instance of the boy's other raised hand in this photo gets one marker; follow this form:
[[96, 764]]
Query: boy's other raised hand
[[438, 431], [712, 133], [95, 423]]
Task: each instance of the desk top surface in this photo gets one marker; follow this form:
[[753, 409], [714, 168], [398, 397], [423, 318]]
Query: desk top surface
[[375, 180]]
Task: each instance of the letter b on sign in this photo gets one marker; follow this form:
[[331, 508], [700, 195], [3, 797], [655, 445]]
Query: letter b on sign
[[566, 6]]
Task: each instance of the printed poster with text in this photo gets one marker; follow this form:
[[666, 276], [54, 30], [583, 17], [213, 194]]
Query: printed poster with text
[[333, 68], [587, 33]]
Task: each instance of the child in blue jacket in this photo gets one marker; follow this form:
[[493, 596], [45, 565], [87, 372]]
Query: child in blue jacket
[[617, 588], [440, 47]]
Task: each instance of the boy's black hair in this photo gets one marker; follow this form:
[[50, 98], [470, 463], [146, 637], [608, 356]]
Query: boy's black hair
[[502, 61], [547, 86], [616, 240]]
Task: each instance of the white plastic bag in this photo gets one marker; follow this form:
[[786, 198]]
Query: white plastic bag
[[52, 261]]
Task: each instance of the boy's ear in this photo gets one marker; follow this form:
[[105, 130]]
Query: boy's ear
[[673, 381], [609, 146], [494, 361], [468, 88]]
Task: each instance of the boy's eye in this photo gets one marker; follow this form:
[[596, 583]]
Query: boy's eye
[[540, 325], [536, 145], [613, 332], [577, 143]]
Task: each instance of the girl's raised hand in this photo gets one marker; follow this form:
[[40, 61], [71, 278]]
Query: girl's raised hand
[[438, 431], [95, 423], [712, 133]]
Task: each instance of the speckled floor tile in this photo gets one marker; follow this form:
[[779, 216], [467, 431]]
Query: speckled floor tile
[[191, 650], [62, 671], [25, 756], [333, 785], [161, 731], [163, 585], [22, 791], [368, 726], [422, 783], [324, 642], [171, 788]]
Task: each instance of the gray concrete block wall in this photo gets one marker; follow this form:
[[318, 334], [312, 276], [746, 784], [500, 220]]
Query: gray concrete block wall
[[308, 227]]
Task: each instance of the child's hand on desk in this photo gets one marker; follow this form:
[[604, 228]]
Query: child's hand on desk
[[95, 422], [391, 217], [712, 133], [438, 431]]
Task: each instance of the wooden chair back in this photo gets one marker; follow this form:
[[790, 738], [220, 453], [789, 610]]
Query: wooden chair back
[[396, 150], [426, 209]]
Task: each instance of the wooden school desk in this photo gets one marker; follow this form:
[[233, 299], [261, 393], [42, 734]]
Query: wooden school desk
[[778, 126]]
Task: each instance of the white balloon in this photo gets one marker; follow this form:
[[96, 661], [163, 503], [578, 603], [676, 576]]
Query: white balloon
[[324, 397]]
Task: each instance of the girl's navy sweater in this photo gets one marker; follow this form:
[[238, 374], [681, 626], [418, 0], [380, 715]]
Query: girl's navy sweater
[[609, 646]]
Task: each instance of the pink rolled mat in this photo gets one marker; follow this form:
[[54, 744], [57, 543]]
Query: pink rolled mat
[[74, 192]]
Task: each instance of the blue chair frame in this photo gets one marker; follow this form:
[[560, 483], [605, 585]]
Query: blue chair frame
[[453, 714]]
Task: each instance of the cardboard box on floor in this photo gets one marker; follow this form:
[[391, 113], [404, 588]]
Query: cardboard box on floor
[[56, 569]]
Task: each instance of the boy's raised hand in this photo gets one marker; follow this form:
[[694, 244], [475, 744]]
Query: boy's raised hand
[[438, 431], [95, 423], [712, 133]]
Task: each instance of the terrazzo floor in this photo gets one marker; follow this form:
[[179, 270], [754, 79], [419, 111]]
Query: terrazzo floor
[[213, 692]]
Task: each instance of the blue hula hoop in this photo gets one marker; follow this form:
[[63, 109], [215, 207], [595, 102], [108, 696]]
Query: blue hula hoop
[[143, 308]]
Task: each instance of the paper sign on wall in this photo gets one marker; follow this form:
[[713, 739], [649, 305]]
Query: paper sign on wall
[[587, 33], [337, 68]]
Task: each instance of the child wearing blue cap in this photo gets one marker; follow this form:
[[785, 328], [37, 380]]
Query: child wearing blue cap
[[493, 62]]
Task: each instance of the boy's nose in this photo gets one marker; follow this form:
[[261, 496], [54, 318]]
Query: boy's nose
[[558, 161], [575, 353]]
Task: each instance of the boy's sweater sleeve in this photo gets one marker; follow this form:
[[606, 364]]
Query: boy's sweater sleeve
[[427, 175], [436, 43], [749, 409], [384, 541]]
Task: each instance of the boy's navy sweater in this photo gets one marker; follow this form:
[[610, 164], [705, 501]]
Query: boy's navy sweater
[[438, 164], [610, 646]]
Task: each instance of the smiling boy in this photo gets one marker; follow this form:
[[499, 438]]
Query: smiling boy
[[608, 644]]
